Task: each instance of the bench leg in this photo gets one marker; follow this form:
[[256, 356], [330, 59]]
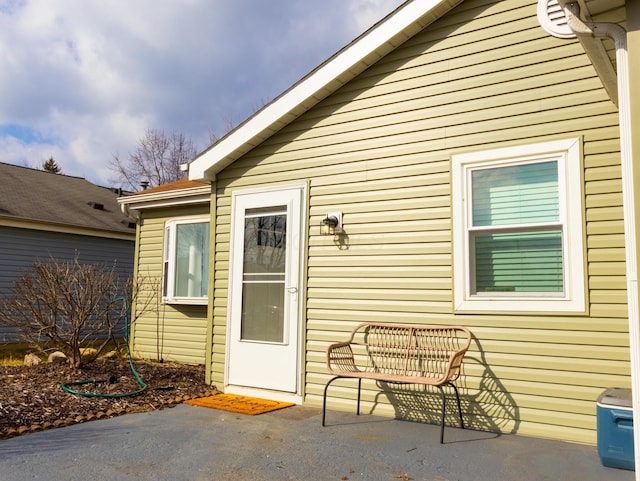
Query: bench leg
[[324, 399], [444, 410], [455, 389]]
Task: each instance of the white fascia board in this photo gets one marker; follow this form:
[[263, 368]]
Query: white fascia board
[[197, 195], [356, 57]]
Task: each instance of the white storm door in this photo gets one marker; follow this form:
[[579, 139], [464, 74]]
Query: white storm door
[[265, 274]]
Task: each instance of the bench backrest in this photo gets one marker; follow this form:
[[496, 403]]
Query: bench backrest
[[413, 350]]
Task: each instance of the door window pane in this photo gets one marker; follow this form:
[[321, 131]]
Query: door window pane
[[264, 244], [264, 268], [262, 312]]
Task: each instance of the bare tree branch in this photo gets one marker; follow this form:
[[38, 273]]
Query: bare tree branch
[[157, 159], [69, 305]]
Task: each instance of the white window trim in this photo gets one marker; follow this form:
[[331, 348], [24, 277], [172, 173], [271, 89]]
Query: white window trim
[[168, 274], [569, 154]]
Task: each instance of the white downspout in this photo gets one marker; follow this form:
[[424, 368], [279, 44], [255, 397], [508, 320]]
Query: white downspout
[[132, 214], [619, 36]]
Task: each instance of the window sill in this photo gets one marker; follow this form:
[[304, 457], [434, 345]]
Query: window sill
[[188, 301], [528, 305]]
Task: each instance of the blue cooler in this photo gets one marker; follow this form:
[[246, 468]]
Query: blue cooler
[[615, 428]]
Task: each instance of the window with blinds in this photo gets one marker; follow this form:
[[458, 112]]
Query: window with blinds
[[518, 229], [516, 233]]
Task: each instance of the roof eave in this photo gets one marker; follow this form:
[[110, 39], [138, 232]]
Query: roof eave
[[349, 62], [598, 56], [77, 229], [131, 205]]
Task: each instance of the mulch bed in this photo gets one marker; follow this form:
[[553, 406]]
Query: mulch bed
[[31, 398]]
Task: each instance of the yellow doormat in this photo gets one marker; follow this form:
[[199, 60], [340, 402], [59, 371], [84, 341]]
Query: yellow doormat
[[239, 404]]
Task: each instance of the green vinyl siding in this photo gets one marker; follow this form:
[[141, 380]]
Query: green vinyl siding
[[484, 76], [162, 331]]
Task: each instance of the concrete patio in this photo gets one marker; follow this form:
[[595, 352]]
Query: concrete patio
[[189, 443]]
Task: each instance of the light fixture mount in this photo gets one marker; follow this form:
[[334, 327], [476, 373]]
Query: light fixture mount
[[331, 224]]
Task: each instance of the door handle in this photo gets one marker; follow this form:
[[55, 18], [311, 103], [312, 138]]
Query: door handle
[[292, 290]]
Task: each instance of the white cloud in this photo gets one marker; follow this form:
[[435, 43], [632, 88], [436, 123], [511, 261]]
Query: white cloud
[[86, 78], [366, 13]]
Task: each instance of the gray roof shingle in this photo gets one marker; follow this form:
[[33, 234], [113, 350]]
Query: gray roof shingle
[[39, 196]]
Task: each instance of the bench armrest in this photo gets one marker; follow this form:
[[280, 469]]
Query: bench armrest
[[455, 364], [340, 358]]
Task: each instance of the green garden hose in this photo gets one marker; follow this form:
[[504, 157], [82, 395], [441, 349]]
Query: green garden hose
[[143, 386]]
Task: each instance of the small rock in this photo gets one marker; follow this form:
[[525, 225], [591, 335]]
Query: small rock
[[57, 357], [31, 359], [88, 353]]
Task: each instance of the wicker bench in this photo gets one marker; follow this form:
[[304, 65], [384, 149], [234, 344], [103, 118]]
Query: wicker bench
[[403, 354]]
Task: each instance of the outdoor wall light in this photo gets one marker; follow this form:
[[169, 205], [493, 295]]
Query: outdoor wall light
[[331, 224]]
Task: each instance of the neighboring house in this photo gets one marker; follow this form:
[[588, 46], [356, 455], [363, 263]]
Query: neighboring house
[[475, 162], [45, 215]]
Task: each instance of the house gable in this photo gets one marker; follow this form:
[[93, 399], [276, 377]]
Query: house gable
[[384, 37], [353, 59]]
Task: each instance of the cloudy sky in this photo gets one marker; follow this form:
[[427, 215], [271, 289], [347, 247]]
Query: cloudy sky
[[81, 80]]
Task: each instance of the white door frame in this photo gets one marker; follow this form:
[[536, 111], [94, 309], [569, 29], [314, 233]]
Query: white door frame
[[296, 396]]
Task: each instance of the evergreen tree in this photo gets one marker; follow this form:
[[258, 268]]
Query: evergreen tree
[[51, 166]]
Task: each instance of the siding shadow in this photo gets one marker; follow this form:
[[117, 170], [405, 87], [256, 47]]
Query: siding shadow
[[486, 404], [489, 405]]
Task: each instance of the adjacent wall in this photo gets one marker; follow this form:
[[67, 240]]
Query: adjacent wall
[[167, 332], [379, 149], [20, 248]]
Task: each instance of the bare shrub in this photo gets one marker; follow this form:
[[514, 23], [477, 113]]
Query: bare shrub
[[68, 305]]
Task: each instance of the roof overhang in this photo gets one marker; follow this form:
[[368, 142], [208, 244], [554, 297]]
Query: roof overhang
[[131, 205], [38, 225], [599, 50], [382, 38]]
